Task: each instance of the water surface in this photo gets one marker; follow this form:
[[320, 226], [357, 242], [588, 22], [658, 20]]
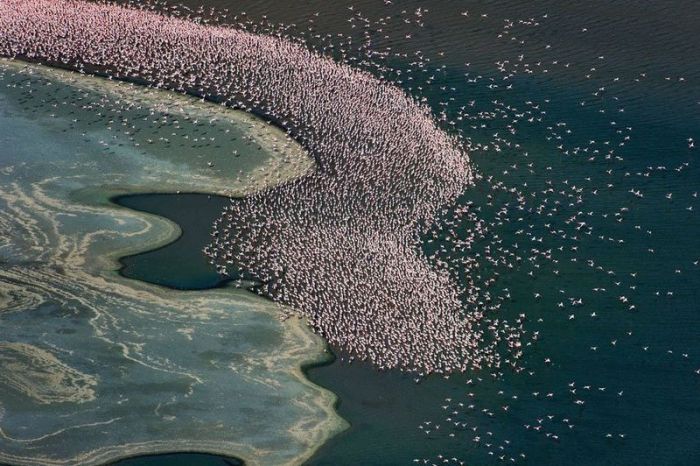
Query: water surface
[[164, 266]]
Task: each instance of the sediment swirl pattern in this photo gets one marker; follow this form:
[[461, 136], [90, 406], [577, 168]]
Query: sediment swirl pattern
[[341, 245], [97, 367]]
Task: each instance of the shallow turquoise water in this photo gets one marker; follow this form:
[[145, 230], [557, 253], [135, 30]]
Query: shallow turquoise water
[[645, 52], [633, 369], [95, 366]]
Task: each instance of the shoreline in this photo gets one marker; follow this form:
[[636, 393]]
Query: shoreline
[[126, 87], [159, 232], [96, 72], [296, 324]]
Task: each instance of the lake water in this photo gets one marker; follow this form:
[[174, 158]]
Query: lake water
[[164, 266], [95, 366], [613, 91], [596, 69]]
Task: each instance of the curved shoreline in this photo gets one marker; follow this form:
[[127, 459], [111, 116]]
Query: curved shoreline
[[158, 232], [380, 179], [97, 72], [302, 370], [328, 400], [297, 325], [123, 264]]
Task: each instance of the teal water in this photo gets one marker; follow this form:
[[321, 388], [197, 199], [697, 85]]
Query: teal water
[[385, 409], [96, 366], [164, 266], [642, 249], [612, 109]]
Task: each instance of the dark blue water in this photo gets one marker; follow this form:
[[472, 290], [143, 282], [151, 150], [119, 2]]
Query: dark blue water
[[194, 213], [580, 118], [179, 459]]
